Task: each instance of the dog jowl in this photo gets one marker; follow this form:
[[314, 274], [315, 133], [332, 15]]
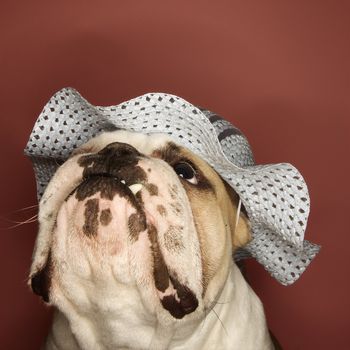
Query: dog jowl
[[135, 250]]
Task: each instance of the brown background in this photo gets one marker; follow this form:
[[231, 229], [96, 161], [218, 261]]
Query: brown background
[[278, 69]]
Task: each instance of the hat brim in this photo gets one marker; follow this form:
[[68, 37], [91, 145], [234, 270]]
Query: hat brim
[[275, 196]]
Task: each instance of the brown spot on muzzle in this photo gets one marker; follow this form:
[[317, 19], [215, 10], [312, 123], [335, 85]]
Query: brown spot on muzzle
[[187, 300], [105, 217], [160, 271], [187, 304], [152, 189], [161, 209], [107, 186], [136, 224], [91, 217]]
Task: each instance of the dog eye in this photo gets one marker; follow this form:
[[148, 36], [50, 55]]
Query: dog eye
[[186, 171]]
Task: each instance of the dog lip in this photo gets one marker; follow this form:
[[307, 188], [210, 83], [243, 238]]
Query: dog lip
[[133, 188], [116, 178], [102, 175]]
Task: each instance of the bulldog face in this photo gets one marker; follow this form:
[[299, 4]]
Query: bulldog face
[[135, 225]]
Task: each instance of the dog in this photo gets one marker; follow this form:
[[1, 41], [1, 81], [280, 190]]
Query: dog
[[135, 248]]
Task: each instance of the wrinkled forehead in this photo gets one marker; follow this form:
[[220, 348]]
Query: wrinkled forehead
[[155, 145], [146, 144]]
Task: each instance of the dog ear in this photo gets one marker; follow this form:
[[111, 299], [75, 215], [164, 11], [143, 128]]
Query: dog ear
[[55, 194], [40, 281], [241, 234], [238, 220], [41, 268]]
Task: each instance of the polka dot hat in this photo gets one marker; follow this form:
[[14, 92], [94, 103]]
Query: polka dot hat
[[275, 196]]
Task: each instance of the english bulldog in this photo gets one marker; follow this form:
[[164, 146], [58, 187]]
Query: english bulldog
[[135, 248]]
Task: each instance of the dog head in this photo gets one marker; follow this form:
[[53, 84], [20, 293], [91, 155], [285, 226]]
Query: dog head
[[134, 224]]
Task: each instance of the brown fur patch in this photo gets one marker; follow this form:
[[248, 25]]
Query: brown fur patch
[[152, 189], [206, 266], [105, 217], [91, 217], [107, 186], [161, 209], [185, 301], [136, 224], [168, 153], [160, 271], [181, 304]]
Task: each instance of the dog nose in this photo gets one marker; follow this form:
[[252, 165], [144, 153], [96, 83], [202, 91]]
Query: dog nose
[[119, 149], [118, 160]]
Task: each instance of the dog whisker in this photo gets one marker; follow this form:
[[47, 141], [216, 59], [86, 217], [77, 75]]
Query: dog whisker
[[222, 303], [20, 223], [218, 302], [205, 317], [222, 324], [25, 208]]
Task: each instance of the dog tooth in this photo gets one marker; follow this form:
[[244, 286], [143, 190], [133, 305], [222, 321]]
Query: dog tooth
[[135, 188], [122, 181]]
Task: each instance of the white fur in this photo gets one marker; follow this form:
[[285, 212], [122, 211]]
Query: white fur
[[63, 182], [236, 322], [103, 287]]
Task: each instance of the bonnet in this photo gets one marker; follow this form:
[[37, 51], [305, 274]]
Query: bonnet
[[275, 196]]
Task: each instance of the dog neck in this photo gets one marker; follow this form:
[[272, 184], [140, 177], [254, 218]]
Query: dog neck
[[236, 321]]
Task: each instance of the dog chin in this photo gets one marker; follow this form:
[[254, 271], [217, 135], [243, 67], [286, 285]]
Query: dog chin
[[107, 255]]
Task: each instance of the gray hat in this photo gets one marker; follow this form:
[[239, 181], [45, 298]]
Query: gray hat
[[275, 196]]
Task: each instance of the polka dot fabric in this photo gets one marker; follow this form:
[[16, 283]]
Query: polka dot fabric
[[275, 196]]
